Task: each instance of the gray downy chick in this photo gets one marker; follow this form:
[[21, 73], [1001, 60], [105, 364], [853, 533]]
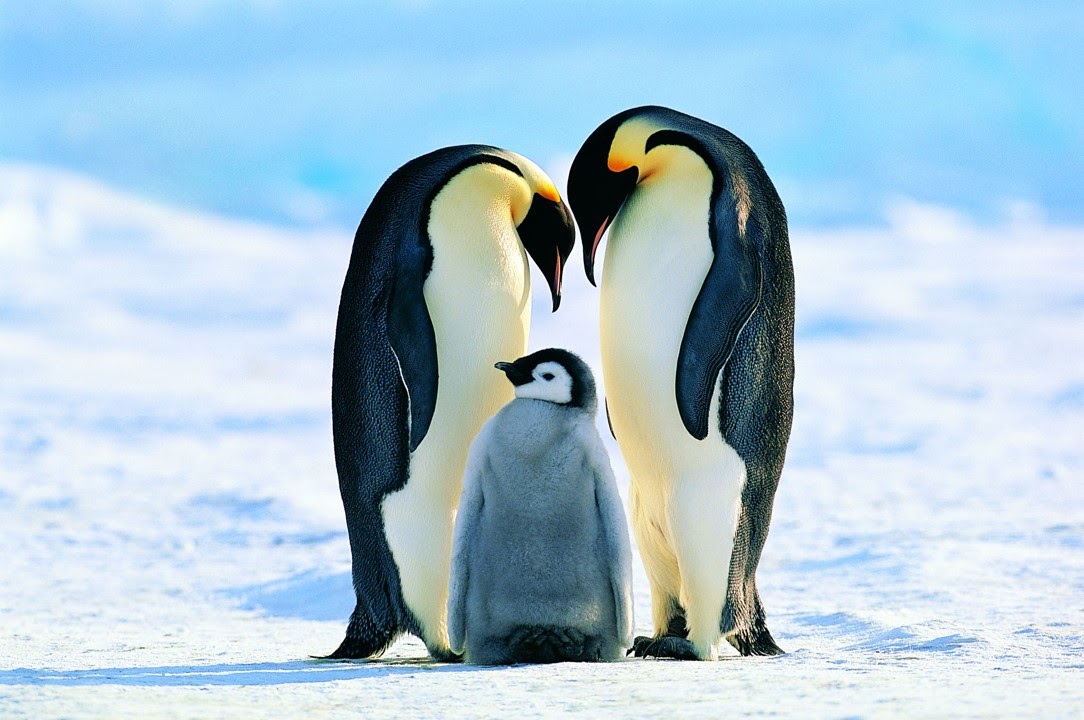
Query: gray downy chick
[[541, 562]]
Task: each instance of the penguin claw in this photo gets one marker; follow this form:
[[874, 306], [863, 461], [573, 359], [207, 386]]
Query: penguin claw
[[664, 646], [445, 656]]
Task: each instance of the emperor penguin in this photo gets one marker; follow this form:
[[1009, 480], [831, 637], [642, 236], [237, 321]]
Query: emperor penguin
[[697, 337], [541, 562], [437, 290]]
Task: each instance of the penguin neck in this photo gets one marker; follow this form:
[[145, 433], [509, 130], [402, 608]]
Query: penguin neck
[[527, 426], [657, 256], [660, 238], [474, 214], [478, 296], [675, 170], [478, 292]]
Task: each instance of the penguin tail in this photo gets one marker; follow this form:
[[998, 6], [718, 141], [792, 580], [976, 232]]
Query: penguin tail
[[757, 642], [364, 639], [743, 625], [550, 644]]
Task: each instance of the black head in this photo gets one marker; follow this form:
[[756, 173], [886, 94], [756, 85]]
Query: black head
[[596, 191], [553, 375], [616, 157], [548, 235]]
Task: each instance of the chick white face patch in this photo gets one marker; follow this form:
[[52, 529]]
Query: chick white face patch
[[551, 383]]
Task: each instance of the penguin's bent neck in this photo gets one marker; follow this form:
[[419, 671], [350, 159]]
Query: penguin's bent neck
[[657, 256]]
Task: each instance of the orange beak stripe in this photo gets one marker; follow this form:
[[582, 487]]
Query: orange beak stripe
[[617, 164], [550, 193]]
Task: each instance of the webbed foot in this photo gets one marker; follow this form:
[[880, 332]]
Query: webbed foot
[[664, 646], [444, 655]]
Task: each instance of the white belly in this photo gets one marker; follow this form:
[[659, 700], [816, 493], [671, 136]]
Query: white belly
[[657, 257], [685, 493], [478, 321], [479, 299]]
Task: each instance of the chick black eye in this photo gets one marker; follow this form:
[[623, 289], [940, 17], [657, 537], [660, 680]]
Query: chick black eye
[[547, 376]]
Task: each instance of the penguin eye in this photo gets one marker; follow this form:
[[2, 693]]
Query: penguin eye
[[547, 376]]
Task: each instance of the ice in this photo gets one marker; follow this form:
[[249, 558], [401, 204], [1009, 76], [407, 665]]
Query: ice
[[174, 543]]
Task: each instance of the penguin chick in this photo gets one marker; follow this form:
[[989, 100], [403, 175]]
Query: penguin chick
[[541, 561]]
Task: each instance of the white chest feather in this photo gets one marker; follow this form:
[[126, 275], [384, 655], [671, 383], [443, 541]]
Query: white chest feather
[[657, 257], [479, 299], [685, 493]]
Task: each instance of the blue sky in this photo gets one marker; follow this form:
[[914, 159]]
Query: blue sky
[[294, 112]]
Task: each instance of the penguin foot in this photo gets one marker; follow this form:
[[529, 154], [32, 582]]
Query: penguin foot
[[664, 646], [551, 644], [444, 655]]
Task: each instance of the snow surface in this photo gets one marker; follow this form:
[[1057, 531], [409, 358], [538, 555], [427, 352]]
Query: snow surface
[[174, 544]]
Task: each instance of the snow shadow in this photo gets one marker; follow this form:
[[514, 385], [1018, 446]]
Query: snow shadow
[[310, 595], [850, 633], [237, 674]]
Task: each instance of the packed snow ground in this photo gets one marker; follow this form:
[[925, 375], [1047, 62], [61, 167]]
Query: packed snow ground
[[174, 544]]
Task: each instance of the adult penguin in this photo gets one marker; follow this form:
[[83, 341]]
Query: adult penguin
[[697, 337], [437, 291]]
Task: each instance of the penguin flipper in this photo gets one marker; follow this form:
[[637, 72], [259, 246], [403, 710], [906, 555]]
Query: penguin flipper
[[413, 340], [729, 296], [467, 519], [611, 516]]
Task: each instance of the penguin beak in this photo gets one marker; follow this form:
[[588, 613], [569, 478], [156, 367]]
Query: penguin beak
[[548, 235], [517, 376], [597, 192]]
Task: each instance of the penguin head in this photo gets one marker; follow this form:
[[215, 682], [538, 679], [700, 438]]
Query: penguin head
[[554, 375], [621, 153], [545, 226]]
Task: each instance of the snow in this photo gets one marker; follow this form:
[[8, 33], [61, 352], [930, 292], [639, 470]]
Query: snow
[[174, 544]]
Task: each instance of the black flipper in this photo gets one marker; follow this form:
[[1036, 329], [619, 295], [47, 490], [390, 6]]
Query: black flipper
[[727, 299], [413, 340]]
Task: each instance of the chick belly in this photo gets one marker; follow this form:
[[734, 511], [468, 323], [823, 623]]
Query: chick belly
[[487, 323], [519, 582], [685, 493]]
